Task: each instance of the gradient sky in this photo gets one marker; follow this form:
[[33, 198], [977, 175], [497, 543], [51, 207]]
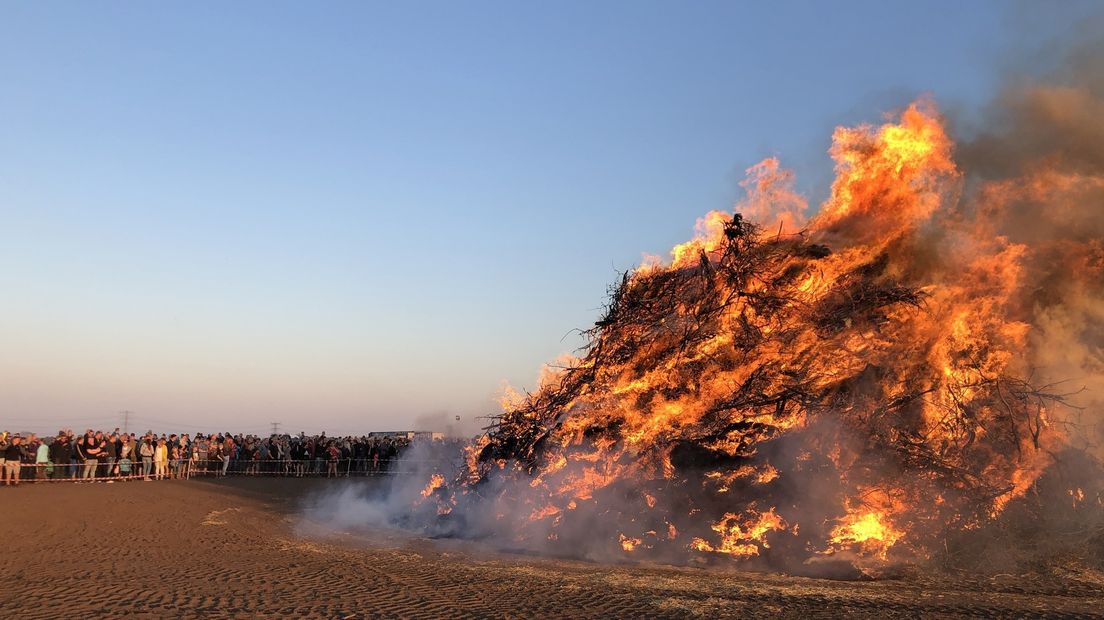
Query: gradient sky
[[366, 216]]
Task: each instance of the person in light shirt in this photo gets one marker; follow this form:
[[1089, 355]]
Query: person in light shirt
[[42, 461], [160, 459]]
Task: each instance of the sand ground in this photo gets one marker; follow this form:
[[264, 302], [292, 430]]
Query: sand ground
[[237, 548]]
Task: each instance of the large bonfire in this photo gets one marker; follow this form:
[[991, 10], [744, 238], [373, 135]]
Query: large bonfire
[[861, 385]]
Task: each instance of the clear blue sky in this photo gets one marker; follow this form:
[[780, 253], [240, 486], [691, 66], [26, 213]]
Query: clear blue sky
[[357, 216]]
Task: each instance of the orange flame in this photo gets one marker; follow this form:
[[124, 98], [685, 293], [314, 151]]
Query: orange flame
[[627, 543], [436, 481], [742, 536]]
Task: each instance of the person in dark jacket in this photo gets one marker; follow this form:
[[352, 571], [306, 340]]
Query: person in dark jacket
[[108, 455], [60, 453], [92, 449], [13, 460]]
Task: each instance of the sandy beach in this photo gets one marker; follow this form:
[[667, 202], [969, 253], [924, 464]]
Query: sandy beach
[[238, 548]]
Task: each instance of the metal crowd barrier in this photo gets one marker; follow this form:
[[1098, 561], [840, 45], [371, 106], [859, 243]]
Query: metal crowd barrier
[[314, 468]]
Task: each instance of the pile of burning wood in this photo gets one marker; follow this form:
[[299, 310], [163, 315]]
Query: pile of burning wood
[[861, 387]]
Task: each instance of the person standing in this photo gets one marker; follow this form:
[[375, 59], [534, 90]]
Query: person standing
[[30, 454], [71, 466], [202, 445], [332, 455], [229, 451], [91, 452], [13, 460], [110, 452], [126, 457], [60, 453], [160, 459], [215, 456], [174, 459], [42, 461], [249, 455], [136, 454], [185, 456], [78, 456], [146, 451]]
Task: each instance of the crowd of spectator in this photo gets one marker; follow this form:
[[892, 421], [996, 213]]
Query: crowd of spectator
[[109, 456]]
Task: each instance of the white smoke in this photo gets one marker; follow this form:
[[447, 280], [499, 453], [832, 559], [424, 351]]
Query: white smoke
[[386, 500]]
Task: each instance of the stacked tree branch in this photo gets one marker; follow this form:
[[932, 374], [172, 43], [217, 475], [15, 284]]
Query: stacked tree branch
[[775, 352]]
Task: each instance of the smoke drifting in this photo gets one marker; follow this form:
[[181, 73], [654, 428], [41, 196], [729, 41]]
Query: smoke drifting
[[1038, 179], [1052, 119], [393, 502]]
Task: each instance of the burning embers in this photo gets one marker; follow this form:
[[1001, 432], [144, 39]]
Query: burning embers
[[743, 535], [855, 387]]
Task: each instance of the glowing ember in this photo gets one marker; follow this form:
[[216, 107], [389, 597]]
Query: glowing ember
[[1077, 495], [742, 535], [628, 544], [870, 531], [544, 513]]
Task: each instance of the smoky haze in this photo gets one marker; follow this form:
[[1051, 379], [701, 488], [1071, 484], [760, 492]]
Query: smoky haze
[[1043, 139]]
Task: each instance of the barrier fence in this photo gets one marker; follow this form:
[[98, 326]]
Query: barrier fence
[[103, 471]]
